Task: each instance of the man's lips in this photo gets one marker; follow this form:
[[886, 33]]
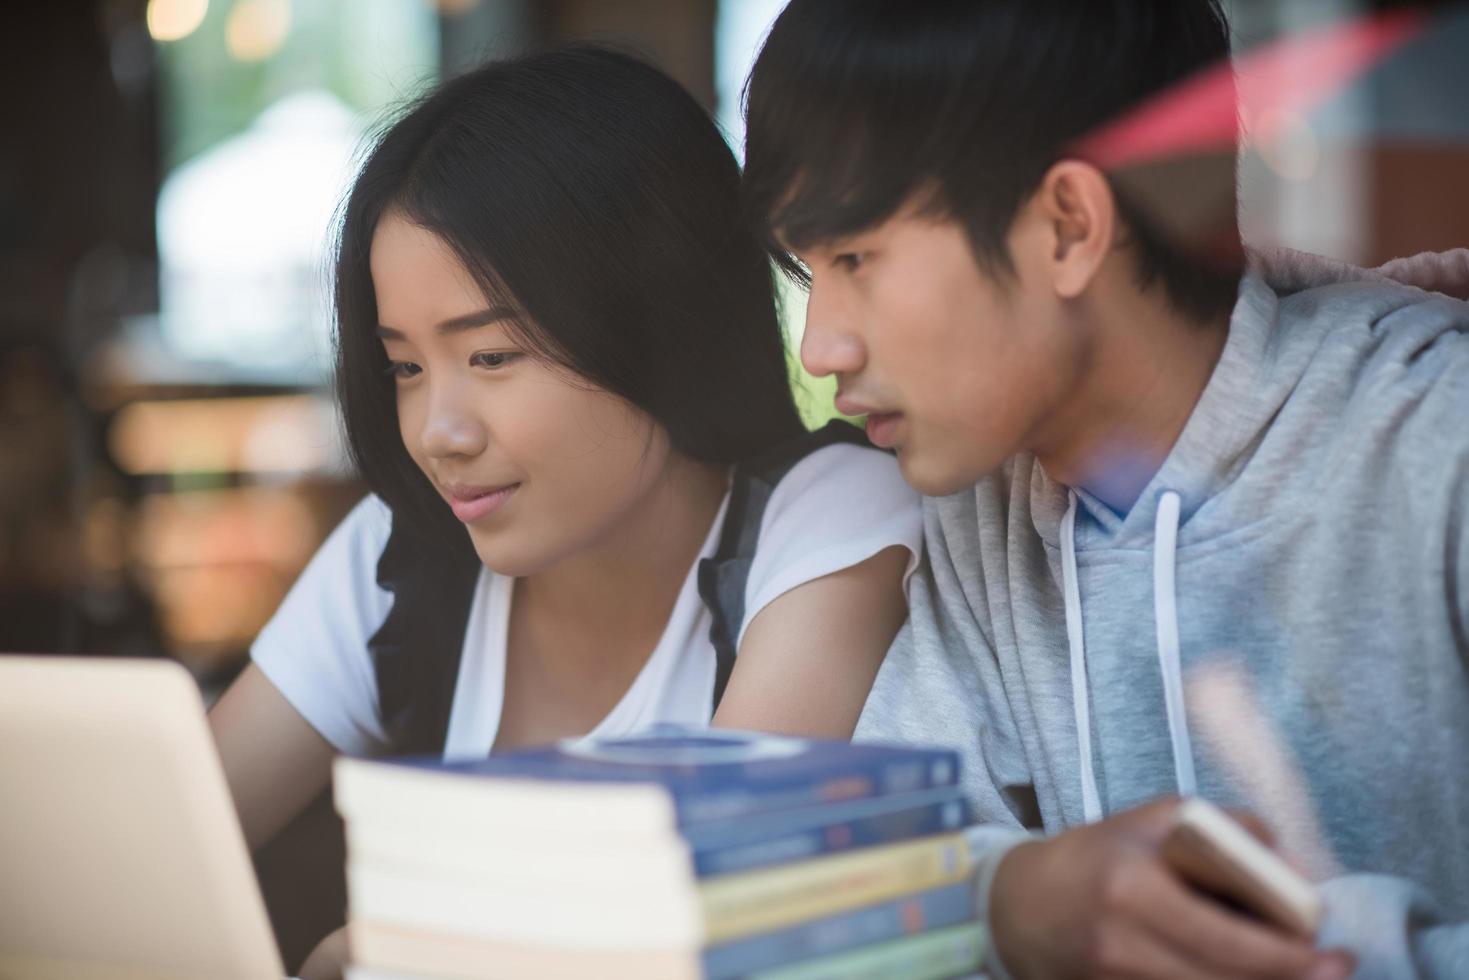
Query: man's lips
[[470, 503], [851, 407], [881, 426]]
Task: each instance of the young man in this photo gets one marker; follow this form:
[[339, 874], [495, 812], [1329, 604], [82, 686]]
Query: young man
[[1196, 524]]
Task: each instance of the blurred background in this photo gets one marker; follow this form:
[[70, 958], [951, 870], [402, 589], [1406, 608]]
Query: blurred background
[[169, 169]]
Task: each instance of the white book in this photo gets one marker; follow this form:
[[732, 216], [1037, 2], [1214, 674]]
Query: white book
[[591, 864], [650, 913]]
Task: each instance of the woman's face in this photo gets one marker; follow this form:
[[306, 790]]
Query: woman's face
[[537, 463]]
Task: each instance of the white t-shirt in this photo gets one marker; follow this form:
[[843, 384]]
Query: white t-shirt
[[836, 508]]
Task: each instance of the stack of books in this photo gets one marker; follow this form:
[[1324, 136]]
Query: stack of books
[[680, 854]]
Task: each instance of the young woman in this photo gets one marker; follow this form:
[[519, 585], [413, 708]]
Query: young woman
[[563, 379]]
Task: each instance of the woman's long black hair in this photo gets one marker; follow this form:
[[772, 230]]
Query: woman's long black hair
[[588, 191]]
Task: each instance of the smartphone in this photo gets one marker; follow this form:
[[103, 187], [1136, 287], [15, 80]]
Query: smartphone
[[1213, 852]]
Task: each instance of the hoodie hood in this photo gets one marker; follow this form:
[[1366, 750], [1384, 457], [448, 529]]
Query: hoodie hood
[[1260, 369]]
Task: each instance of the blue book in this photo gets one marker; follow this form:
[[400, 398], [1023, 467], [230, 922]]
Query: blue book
[[726, 846], [939, 954], [933, 918], [672, 777], [932, 909]]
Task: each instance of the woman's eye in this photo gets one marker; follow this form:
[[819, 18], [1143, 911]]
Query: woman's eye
[[493, 359], [850, 261], [403, 370]]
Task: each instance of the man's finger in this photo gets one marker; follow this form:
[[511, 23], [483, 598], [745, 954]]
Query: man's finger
[[1255, 826], [1206, 933], [1132, 951], [1151, 821]]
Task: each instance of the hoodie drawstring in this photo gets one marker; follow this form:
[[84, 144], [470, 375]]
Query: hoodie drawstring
[[1165, 612], [1091, 801]]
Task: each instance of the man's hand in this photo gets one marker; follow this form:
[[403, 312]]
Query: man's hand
[[1100, 901]]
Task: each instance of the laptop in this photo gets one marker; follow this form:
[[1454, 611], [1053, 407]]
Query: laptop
[[120, 853]]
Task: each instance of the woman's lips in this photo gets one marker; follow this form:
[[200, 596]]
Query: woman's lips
[[473, 503]]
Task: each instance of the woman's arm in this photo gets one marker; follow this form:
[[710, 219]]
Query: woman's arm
[[808, 659], [274, 761], [311, 661]]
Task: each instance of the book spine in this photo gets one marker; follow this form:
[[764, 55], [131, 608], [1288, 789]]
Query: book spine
[[862, 778], [760, 901], [869, 830], [933, 909], [930, 956]]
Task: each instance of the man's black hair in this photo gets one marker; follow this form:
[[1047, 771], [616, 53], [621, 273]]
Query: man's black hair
[[588, 192], [859, 106]]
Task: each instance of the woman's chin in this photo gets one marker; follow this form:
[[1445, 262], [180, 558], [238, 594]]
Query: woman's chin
[[503, 555]]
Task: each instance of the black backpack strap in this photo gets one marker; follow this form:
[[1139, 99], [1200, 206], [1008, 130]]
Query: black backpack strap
[[416, 652], [722, 577]]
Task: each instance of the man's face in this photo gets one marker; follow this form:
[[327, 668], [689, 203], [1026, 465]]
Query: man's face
[[957, 368]]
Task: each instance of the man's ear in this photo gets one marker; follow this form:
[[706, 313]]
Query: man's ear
[[1076, 203]]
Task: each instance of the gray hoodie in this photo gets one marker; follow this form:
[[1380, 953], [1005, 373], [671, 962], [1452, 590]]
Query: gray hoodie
[[1280, 623]]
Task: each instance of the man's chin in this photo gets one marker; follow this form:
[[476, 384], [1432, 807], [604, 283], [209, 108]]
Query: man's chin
[[932, 477], [927, 479]]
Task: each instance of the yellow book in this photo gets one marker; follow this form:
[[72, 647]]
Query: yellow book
[[758, 901]]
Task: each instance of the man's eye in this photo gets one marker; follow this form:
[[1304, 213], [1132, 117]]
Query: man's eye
[[494, 359], [403, 370], [849, 261]]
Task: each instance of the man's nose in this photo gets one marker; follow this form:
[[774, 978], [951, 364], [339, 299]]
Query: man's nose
[[830, 345]]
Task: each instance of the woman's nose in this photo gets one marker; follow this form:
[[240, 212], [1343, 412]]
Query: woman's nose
[[453, 424]]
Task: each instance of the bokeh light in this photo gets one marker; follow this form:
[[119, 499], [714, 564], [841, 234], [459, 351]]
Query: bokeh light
[[256, 29], [174, 20]]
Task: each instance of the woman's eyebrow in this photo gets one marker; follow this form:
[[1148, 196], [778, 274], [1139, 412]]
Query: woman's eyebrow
[[482, 318], [468, 321]]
